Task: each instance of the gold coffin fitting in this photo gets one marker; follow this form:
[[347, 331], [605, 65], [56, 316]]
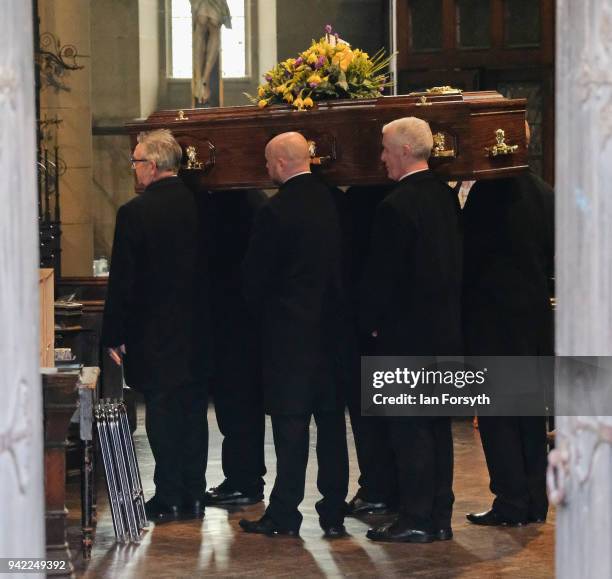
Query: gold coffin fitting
[[439, 148], [422, 102], [314, 160], [500, 147], [194, 164]]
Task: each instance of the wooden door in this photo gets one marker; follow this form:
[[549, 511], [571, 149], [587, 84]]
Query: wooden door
[[503, 45]]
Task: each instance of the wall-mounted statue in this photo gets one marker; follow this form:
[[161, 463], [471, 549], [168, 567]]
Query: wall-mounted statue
[[208, 17]]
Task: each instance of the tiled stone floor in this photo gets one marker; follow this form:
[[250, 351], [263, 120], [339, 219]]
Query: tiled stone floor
[[216, 547]]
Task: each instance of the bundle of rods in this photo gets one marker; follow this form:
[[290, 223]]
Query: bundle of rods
[[121, 468]]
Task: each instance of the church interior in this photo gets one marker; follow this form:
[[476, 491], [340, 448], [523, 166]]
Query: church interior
[[80, 80]]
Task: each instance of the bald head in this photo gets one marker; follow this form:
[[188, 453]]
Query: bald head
[[287, 154]]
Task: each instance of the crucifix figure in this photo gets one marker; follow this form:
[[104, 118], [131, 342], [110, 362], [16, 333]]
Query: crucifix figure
[[208, 16]]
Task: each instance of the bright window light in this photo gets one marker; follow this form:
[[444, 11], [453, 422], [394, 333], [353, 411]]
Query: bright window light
[[233, 41]]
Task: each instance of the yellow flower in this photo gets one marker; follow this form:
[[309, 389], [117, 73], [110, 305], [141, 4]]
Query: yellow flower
[[347, 58], [311, 69]]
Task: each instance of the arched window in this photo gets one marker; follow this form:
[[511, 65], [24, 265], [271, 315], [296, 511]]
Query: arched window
[[233, 41]]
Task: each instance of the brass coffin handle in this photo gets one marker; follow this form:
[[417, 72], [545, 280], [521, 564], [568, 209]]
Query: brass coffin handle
[[500, 147], [422, 102], [181, 116], [316, 160], [194, 163], [439, 148]]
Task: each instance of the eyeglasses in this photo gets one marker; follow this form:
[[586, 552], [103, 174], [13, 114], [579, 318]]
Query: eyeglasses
[[134, 161]]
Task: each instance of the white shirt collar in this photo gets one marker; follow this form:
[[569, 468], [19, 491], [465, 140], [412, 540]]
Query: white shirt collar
[[296, 175], [412, 173]]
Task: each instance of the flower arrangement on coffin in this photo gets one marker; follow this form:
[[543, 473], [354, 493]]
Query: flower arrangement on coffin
[[329, 69]]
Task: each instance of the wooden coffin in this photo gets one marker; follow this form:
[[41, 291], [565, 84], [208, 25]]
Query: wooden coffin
[[478, 135]]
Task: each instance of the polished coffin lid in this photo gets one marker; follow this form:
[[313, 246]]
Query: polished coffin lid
[[478, 135]]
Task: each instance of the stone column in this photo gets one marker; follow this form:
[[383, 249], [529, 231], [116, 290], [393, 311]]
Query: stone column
[[69, 21], [584, 283], [21, 463], [115, 99]]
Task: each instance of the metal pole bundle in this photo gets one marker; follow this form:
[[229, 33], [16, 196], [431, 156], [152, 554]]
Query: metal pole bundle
[[123, 482]]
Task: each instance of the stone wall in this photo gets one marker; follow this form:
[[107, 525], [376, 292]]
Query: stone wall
[[69, 21], [363, 23]]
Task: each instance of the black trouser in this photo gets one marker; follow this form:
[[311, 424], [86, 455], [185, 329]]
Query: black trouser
[[241, 419], [377, 471], [291, 442], [238, 394], [424, 456], [177, 429], [515, 450]]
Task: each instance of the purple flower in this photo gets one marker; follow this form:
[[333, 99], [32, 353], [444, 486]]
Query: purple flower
[[313, 85], [268, 77], [299, 61], [320, 62], [328, 28]]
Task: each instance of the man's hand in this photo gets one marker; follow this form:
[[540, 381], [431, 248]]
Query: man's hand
[[117, 354], [375, 334]]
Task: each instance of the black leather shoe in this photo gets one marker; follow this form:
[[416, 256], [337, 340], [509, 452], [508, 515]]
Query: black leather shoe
[[335, 532], [358, 506], [193, 510], [159, 512], [493, 519], [265, 526], [398, 533], [445, 534], [225, 495]]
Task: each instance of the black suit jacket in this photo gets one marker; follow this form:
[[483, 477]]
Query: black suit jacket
[[411, 290], [509, 263], [157, 290], [235, 336], [292, 280]]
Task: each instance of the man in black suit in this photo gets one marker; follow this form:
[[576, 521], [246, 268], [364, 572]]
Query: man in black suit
[[293, 282], [411, 302], [509, 264], [236, 383], [377, 493], [156, 322]]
